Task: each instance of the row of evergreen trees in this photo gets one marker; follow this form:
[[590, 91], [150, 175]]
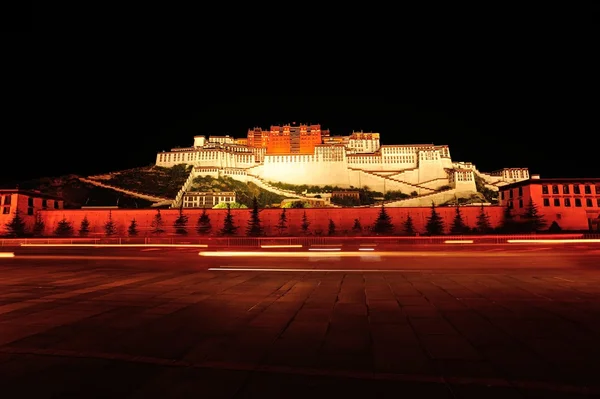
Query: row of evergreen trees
[[531, 221]]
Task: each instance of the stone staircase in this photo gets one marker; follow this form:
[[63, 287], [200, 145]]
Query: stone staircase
[[400, 202], [267, 186], [124, 191], [411, 185]]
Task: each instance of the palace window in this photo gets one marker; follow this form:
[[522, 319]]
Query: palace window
[[598, 202], [520, 191], [510, 193], [7, 199], [44, 203], [546, 202], [567, 201], [55, 204], [30, 211], [588, 202], [554, 189], [556, 202], [597, 189], [501, 195], [576, 189], [578, 202], [6, 210], [520, 203], [566, 189], [587, 189], [544, 189]]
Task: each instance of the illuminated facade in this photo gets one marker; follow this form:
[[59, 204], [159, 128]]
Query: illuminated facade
[[197, 199], [307, 154], [27, 203], [574, 204]]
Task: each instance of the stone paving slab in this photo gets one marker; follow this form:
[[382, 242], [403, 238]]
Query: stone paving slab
[[122, 333]]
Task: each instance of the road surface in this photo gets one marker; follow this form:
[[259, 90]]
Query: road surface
[[428, 321]]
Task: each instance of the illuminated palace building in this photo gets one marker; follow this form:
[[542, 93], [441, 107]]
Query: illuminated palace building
[[306, 154]]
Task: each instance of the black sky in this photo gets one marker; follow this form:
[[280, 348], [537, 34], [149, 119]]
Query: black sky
[[525, 97], [553, 137]]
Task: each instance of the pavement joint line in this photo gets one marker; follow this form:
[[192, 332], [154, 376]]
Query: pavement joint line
[[82, 257], [363, 375]]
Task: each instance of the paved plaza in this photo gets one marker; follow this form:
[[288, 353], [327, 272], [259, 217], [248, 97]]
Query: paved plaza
[[102, 328]]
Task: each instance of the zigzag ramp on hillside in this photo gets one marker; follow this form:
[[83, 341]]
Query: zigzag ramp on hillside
[[124, 191]]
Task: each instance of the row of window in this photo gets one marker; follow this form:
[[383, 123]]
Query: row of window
[[589, 202], [587, 189]]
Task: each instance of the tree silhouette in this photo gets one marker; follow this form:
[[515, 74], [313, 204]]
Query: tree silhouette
[[132, 230], [458, 224], [38, 225], [508, 225], [331, 228], [409, 227], [157, 224], [254, 228], [305, 224], [180, 224], [203, 225], [554, 228], [84, 227], [483, 221], [109, 227], [383, 223], [16, 227], [435, 224], [534, 221], [282, 225], [357, 228], [229, 227], [64, 228]]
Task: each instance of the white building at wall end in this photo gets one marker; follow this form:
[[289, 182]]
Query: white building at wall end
[[357, 160], [198, 199]]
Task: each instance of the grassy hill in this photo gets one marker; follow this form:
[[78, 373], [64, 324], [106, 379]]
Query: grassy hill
[[244, 192], [152, 180], [77, 194]]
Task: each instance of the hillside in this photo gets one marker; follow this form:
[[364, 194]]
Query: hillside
[[152, 180], [244, 192], [77, 194]]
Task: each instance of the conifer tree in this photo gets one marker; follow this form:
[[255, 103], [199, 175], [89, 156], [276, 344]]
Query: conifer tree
[[331, 228], [383, 223], [38, 225], [157, 224], [64, 228], [16, 227], [203, 225], [534, 221], [409, 227], [229, 227], [458, 224], [180, 224], [357, 228], [435, 224], [84, 227], [483, 221], [282, 225], [305, 224], [508, 225], [254, 228], [132, 230], [109, 227]]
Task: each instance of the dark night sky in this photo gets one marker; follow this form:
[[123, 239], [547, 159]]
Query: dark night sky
[[504, 97], [553, 137]]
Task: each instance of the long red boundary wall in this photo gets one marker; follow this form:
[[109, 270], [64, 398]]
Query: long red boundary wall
[[318, 219]]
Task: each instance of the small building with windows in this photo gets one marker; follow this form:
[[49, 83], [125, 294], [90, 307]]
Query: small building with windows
[[27, 203], [206, 199], [574, 204]]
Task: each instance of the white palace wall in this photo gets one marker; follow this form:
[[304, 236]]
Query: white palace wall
[[406, 168]]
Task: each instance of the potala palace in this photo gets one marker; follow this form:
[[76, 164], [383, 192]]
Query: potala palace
[[306, 154]]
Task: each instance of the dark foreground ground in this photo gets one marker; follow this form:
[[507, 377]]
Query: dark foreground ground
[[460, 322]]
